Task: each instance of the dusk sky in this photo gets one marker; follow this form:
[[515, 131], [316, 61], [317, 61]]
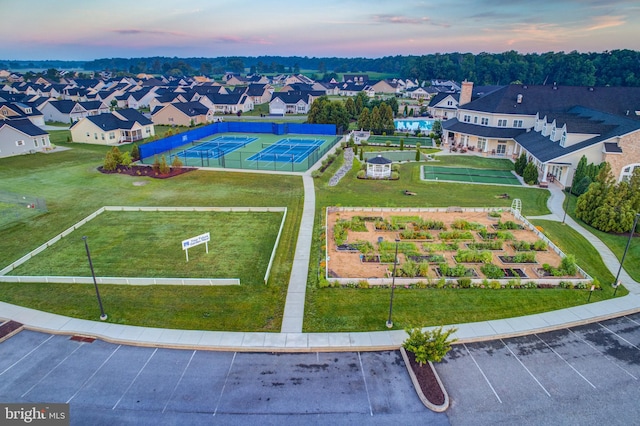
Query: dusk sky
[[85, 30]]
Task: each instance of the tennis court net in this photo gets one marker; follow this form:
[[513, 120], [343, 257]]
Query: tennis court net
[[289, 145]]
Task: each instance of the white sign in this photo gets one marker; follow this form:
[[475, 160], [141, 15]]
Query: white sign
[[194, 241]]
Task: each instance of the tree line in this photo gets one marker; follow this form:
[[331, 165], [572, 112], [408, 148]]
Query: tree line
[[613, 68]]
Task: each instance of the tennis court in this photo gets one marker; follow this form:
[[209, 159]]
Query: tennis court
[[395, 140], [215, 147], [465, 174], [257, 151], [294, 150]]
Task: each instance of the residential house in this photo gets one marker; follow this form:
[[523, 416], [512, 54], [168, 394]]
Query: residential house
[[355, 78], [121, 126], [386, 86], [352, 89], [289, 103], [230, 103], [554, 126], [140, 98], [21, 136], [182, 114], [443, 105], [21, 110], [259, 93], [66, 111], [166, 98]]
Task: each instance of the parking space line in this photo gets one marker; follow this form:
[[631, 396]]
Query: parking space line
[[178, 384], [26, 355], [482, 372], [52, 370], [525, 367], [631, 319], [93, 374], [134, 379], [226, 379], [618, 336], [565, 361], [366, 388], [607, 357]]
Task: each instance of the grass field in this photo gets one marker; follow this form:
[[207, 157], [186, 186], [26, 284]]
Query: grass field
[[148, 244], [73, 189]]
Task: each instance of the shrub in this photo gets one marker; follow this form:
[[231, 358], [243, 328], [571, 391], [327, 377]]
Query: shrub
[[456, 235], [429, 345], [530, 174], [156, 164], [495, 213], [455, 271], [473, 256], [408, 269], [110, 163], [508, 225], [540, 245], [363, 284], [464, 282], [126, 159], [316, 174], [176, 163], [492, 271], [568, 265], [429, 224], [361, 174], [135, 152], [395, 176], [164, 167]]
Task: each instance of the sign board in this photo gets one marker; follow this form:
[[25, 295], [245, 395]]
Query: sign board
[[194, 241]]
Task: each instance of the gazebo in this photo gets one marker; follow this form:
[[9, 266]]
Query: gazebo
[[379, 168]]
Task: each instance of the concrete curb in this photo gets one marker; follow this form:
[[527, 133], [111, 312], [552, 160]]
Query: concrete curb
[[431, 406]]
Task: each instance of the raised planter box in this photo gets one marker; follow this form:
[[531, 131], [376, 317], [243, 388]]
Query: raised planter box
[[514, 273], [509, 259], [434, 258], [370, 258], [470, 273]]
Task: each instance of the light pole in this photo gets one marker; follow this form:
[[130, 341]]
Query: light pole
[[103, 316], [616, 283], [393, 285]]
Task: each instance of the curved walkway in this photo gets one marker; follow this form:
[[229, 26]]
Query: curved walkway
[[291, 338]]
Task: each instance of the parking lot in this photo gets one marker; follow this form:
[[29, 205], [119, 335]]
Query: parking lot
[[582, 375]]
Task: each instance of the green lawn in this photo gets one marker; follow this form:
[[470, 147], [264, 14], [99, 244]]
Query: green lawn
[[148, 244], [73, 189]]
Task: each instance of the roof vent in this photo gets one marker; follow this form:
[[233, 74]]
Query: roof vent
[[591, 89], [519, 98]]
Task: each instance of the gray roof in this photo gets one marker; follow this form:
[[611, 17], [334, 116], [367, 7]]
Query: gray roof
[[623, 101], [23, 125], [611, 126], [379, 160]]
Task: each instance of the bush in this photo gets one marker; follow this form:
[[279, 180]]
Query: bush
[[473, 256], [176, 163], [429, 345], [530, 174], [361, 174], [492, 271], [164, 167], [568, 265], [395, 176], [464, 282], [110, 162]]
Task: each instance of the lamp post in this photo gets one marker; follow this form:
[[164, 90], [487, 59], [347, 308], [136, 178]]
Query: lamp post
[[393, 285], [616, 282], [103, 316]]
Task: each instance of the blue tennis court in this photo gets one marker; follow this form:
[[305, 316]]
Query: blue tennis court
[[215, 148], [287, 150]]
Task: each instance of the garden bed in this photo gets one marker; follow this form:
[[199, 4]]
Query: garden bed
[[514, 273], [433, 258], [146, 171]]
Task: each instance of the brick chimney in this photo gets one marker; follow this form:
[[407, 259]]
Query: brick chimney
[[465, 93]]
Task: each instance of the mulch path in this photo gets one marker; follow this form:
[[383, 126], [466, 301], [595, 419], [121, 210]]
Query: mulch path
[[8, 328], [146, 171], [427, 380]]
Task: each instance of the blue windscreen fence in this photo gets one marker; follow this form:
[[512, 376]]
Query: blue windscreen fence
[[172, 142]]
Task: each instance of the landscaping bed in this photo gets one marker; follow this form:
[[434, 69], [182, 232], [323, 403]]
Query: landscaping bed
[[147, 171]]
